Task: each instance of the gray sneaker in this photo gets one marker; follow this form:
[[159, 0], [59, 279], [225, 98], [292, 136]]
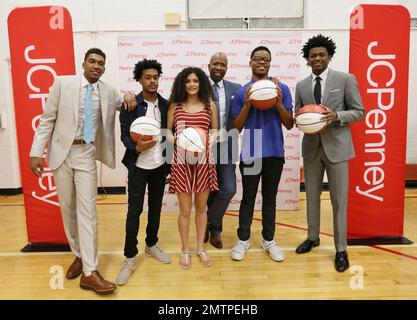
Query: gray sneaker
[[239, 250], [157, 253], [128, 266], [276, 253]]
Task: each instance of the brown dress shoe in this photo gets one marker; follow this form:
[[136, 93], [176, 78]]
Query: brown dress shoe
[[97, 283], [75, 269], [216, 240]]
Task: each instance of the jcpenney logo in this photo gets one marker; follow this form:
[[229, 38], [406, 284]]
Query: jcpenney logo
[[180, 42], [211, 42], [152, 43], [46, 181]]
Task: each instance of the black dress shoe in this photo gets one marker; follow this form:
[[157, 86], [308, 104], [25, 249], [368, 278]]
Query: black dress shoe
[[307, 245], [341, 261], [216, 240], [207, 234]]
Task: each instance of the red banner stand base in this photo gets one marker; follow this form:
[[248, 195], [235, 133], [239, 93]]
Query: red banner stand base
[[378, 241], [46, 247]]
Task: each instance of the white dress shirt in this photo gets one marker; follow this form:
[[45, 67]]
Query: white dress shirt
[[323, 77], [151, 158], [222, 109]]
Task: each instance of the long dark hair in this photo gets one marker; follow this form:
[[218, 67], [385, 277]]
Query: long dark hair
[[178, 92]]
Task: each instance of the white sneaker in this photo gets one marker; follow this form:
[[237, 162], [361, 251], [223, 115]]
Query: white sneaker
[[157, 253], [238, 251], [128, 266], [276, 253]]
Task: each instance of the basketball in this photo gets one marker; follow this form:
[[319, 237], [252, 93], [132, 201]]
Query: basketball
[[192, 139], [144, 128], [309, 119], [263, 95]]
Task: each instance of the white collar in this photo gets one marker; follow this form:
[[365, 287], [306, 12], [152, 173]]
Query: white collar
[[84, 82], [151, 103], [220, 83], [322, 75]]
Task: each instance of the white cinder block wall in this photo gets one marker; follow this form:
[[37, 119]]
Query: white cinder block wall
[[99, 22]]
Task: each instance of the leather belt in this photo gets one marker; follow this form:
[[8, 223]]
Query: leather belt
[[79, 141]]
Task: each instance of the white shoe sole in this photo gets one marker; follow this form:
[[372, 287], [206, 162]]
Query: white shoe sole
[[121, 283], [164, 262], [237, 258], [277, 260]]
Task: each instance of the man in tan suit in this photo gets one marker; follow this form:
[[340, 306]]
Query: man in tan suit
[[78, 126]]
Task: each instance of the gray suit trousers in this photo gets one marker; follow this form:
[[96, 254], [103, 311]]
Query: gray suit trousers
[[338, 179]]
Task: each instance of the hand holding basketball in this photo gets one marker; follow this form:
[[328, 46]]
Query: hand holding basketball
[[145, 144], [329, 115], [279, 95], [247, 94]]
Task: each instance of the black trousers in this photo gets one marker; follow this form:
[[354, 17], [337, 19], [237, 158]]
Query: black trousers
[[269, 169], [155, 179]]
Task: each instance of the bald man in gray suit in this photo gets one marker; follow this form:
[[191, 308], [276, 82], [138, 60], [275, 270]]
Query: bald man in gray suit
[[332, 149]]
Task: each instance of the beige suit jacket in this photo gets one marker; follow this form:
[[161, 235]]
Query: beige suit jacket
[[59, 121]]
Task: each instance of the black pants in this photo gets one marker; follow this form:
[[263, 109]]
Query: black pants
[[270, 170], [155, 179]]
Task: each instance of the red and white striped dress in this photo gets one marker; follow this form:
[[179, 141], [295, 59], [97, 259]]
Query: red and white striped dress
[[190, 173]]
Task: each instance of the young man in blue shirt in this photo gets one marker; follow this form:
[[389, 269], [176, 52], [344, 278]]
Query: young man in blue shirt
[[262, 155]]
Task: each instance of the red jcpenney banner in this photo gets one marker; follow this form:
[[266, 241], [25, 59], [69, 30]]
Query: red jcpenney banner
[[379, 57], [41, 47]]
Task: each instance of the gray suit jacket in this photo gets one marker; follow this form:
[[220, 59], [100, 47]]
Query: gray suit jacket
[[342, 96], [58, 123]]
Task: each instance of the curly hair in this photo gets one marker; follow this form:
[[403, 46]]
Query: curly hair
[[178, 92], [146, 64], [319, 41]]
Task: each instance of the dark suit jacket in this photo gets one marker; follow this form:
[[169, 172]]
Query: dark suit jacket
[[230, 88], [126, 118]]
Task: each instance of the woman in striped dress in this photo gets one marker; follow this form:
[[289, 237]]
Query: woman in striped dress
[[192, 173]]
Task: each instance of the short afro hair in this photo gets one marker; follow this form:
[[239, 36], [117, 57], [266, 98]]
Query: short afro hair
[[146, 64], [94, 51], [260, 48], [319, 41]]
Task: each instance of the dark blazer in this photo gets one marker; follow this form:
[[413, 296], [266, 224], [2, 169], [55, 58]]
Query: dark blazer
[[126, 118], [230, 88]]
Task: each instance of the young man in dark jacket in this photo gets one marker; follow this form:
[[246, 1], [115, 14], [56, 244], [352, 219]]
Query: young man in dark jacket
[[147, 165]]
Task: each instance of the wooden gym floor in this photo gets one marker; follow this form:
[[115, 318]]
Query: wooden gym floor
[[377, 272]]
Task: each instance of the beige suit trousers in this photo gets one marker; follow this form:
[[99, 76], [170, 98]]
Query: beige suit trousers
[[76, 182]]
